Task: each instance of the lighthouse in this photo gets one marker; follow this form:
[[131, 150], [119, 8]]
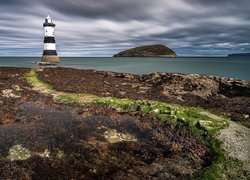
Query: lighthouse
[[49, 50]]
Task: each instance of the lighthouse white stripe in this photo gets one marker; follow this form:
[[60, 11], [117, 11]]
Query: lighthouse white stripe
[[49, 46], [49, 31]]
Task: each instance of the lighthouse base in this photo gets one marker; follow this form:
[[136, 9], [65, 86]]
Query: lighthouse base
[[49, 58]]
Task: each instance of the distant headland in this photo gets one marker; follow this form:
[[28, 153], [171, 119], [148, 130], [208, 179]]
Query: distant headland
[[239, 54], [147, 51]]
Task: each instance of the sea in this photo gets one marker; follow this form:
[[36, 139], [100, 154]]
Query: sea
[[232, 67]]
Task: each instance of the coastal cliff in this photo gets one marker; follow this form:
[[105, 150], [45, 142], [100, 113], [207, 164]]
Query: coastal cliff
[[147, 51]]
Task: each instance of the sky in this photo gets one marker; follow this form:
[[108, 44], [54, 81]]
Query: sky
[[105, 27]]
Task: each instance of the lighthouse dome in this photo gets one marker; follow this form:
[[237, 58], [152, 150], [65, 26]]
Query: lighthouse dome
[[48, 19]]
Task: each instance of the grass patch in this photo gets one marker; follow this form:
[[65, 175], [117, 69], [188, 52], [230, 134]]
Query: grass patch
[[32, 79]]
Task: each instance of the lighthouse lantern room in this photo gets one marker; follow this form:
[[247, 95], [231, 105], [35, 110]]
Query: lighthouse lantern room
[[49, 50]]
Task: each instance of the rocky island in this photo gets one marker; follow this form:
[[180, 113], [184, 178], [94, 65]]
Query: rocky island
[[148, 51], [85, 124]]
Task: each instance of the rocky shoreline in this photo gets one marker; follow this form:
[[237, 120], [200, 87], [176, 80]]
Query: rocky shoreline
[[50, 129], [222, 95]]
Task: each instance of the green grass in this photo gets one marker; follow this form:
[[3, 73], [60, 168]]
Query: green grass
[[190, 117], [32, 79]]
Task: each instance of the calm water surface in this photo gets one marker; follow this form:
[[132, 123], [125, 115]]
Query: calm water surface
[[235, 67]]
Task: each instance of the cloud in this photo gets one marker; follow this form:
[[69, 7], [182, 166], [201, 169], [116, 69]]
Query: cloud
[[102, 28]]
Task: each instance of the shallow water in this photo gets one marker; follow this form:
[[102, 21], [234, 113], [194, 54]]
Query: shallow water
[[234, 67], [64, 142]]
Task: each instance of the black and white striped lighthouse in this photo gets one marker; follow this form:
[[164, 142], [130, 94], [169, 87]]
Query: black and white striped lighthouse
[[49, 50]]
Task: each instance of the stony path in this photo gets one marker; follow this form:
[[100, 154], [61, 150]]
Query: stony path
[[236, 140]]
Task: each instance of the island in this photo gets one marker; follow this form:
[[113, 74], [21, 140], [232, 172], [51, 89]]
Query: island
[[239, 54], [157, 50]]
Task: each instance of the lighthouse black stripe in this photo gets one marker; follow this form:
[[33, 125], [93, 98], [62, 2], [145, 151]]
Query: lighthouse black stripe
[[49, 40], [49, 24], [49, 52]]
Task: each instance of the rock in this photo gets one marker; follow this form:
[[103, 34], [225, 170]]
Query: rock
[[147, 51], [120, 110], [246, 116], [155, 169], [142, 92], [123, 93], [236, 140], [129, 76], [17, 88], [18, 152], [9, 93], [125, 84], [106, 93], [156, 111], [111, 74], [233, 87], [206, 125], [60, 154], [144, 88], [45, 154], [40, 69], [113, 136], [164, 175], [181, 120]]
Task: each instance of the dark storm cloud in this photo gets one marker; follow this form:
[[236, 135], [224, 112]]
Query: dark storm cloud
[[108, 9], [104, 27]]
